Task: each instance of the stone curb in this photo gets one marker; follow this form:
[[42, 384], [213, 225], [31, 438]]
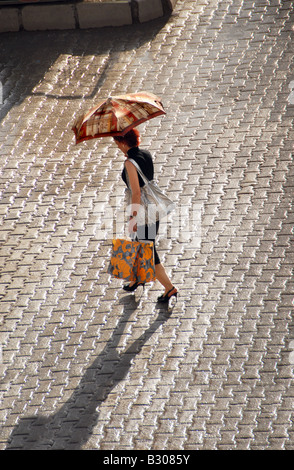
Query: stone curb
[[83, 15]]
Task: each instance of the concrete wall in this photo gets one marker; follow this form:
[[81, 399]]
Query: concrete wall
[[84, 15]]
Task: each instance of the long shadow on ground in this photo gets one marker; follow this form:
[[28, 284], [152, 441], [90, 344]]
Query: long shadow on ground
[[72, 426]]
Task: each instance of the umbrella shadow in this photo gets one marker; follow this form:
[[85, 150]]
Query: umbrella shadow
[[72, 426]]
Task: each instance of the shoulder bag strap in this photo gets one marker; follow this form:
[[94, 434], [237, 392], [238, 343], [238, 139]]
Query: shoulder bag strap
[[146, 181]]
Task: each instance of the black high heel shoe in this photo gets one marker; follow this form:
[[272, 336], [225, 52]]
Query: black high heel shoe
[[129, 288], [164, 299]]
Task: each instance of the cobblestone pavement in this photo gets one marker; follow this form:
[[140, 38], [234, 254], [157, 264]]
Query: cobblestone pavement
[[86, 366]]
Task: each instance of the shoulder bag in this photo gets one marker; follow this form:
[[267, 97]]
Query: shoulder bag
[[155, 203]]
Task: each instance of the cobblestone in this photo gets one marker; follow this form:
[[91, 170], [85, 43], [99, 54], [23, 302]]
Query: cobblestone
[[85, 366]]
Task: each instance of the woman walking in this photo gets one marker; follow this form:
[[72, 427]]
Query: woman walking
[[129, 145]]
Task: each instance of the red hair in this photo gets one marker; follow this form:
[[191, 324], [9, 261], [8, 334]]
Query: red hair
[[131, 138]]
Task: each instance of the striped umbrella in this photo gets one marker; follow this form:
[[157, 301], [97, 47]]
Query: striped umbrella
[[117, 115]]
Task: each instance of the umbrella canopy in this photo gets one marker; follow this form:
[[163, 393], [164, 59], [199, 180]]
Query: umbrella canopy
[[117, 115]]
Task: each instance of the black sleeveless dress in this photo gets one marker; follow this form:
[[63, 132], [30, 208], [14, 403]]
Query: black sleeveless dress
[[144, 159]]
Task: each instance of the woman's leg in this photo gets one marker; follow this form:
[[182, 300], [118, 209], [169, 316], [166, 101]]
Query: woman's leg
[[148, 233], [160, 272], [163, 278]]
